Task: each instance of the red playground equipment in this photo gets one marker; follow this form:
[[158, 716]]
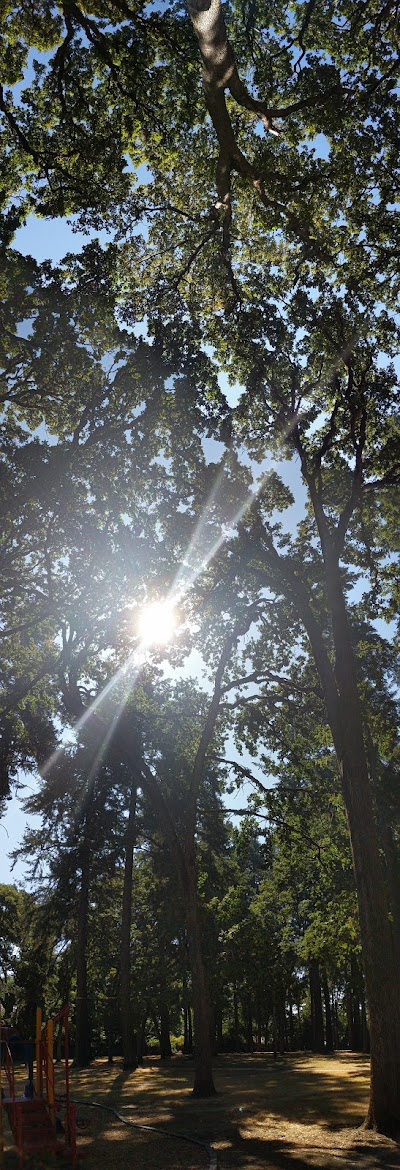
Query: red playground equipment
[[40, 1121]]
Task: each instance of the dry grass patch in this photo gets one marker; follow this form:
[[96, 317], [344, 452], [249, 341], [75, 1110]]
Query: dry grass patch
[[293, 1114]]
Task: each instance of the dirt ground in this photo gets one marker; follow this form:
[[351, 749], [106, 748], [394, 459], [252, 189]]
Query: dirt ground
[[296, 1113]]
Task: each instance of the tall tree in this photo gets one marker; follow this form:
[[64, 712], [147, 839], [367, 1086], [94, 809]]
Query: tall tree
[[304, 286], [342, 434]]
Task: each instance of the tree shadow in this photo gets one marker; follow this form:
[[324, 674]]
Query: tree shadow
[[300, 1112]]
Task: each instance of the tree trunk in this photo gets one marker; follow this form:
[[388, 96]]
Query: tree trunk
[[259, 1026], [165, 1039], [219, 1040], [190, 1031], [236, 1028], [187, 1018], [82, 1040], [392, 870], [187, 1031], [282, 1023], [317, 1021], [328, 1014], [349, 1015], [364, 1026], [379, 953], [336, 1023], [274, 1033], [291, 1027], [140, 1041], [129, 1047], [203, 1075], [247, 1011]]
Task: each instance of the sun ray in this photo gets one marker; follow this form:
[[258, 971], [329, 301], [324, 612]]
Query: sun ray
[[188, 574], [183, 582], [126, 674]]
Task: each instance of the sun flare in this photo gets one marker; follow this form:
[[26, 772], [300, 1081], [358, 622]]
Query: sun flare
[[157, 623]]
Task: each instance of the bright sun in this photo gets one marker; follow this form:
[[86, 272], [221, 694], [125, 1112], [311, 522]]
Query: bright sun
[[157, 623]]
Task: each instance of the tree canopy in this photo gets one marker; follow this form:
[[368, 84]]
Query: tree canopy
[[201, 405]]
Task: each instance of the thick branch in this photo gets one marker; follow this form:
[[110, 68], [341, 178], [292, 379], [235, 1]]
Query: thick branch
[[16, 129], [220, 73], [280, 572], [213, 711], [279, 822], [268, 677]]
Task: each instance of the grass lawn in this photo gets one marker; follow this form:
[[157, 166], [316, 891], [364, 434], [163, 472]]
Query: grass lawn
[[298, 1112]]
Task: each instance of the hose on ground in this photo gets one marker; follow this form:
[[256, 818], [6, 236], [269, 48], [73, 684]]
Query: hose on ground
[[183, 1137]]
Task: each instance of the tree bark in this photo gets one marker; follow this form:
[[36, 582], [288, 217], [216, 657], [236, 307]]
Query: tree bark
[[328, 1014], [220, 73], [364, 1025], [129, 1046], [336, 1023], [83, 1039], [340, 689], [203, 1075], [140, 1040], [236, 1026], [281, 1030], [392, 871], [247, 1008], [259, 1026], [379, 951], [291, 1027], [187, 1031], [219, 1039], [165, 1039], [317, 1021]]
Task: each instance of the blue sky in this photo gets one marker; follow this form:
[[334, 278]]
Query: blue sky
[[50, 240]]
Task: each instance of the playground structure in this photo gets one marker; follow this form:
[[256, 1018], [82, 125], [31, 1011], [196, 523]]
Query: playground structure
[[34, 1118]]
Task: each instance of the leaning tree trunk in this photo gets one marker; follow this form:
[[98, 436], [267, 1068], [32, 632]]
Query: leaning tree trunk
[[129, 1044], [340, 689], [379, 952], [392, 880]]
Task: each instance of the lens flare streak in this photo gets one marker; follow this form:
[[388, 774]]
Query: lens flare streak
[[186, 577]]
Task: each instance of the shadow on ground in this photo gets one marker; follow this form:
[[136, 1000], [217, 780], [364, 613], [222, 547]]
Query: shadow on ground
[[293, 1114]]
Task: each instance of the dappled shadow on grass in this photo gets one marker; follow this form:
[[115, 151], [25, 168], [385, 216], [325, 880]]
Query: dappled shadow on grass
[[297, 1112], [251, 1153], [300, 1087], [107, 1144]]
